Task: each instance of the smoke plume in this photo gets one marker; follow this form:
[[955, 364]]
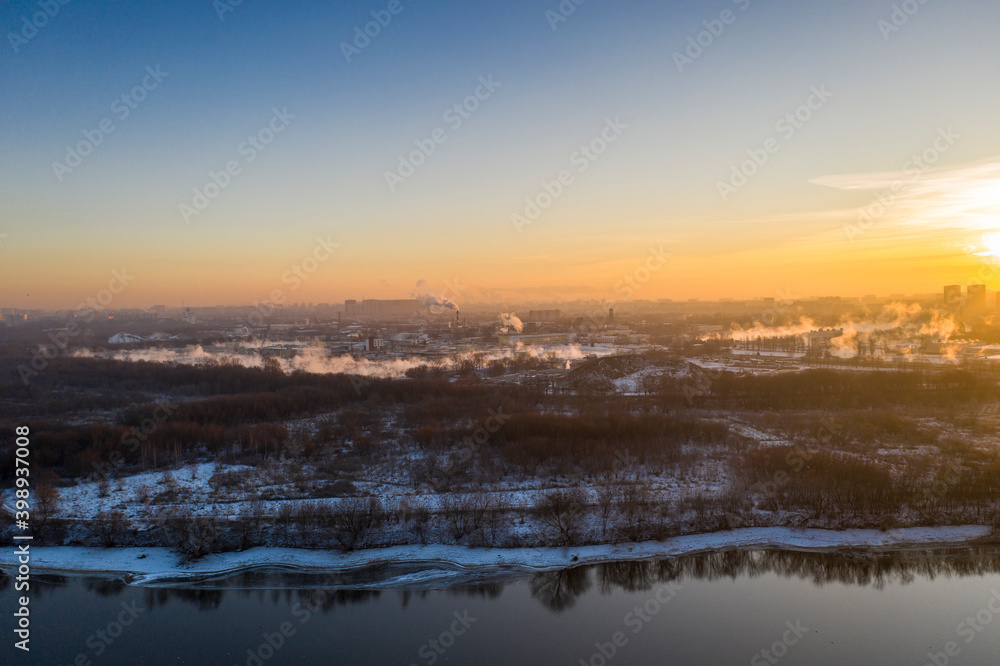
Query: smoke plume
[[426, 298], [510, 322]]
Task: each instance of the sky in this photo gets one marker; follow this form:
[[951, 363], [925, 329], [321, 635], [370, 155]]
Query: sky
[[742, 148]]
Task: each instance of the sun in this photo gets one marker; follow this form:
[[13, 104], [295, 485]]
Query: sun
[[992, 243]]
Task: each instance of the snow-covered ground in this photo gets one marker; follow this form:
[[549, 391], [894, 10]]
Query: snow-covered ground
[[149, 566]]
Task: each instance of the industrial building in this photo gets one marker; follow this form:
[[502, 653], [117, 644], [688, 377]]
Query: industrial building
[[542, 338], [543, 316], [384, 309]]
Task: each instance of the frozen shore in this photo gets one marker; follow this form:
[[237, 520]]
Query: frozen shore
[[424, 564]]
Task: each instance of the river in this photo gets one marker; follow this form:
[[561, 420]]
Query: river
[[738, 607]]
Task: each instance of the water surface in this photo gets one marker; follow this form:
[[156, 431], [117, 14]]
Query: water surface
[[723, 608]]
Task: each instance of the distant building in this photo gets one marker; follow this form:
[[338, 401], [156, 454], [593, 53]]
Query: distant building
[[975, 302], [543, 316], [821, 340], [953, 295], [376, 308], [542, 338]]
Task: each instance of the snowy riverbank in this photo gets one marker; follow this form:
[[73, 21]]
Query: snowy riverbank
[[149, 566]]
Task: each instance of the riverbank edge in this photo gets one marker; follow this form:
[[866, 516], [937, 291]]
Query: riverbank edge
[[160, 566]]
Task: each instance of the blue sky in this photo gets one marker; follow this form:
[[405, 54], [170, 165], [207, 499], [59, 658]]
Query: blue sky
[[325, 174]]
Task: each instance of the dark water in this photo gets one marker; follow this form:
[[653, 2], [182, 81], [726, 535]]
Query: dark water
[[724, 608]]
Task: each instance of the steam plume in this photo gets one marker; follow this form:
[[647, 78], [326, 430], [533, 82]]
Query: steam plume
[[510, 322], [426, 298]]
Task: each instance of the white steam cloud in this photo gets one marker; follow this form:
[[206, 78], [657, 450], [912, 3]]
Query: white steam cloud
[[509, 322], [896, 322], [426, 298]]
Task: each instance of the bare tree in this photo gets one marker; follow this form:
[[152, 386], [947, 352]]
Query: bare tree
[[286, 516], [192, 536], [456, 517], [110, 527], [562, 511], [250, 521], [607, 501], [354, 518], [495, 521], [634, 507], [202, 536], [46, 506]]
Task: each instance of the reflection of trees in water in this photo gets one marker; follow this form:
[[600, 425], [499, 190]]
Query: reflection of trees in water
[[628, 576], [479, 590], [865, 569], [491, 590], [325, 600], [559, 590], [862, 568], [202, 598], [105, 587]]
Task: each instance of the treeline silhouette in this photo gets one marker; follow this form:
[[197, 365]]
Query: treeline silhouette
[[531, 439], [831, 389], [246, 420]]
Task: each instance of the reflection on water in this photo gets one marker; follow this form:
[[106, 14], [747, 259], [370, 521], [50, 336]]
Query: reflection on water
[[861, 608], [559, 590]]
